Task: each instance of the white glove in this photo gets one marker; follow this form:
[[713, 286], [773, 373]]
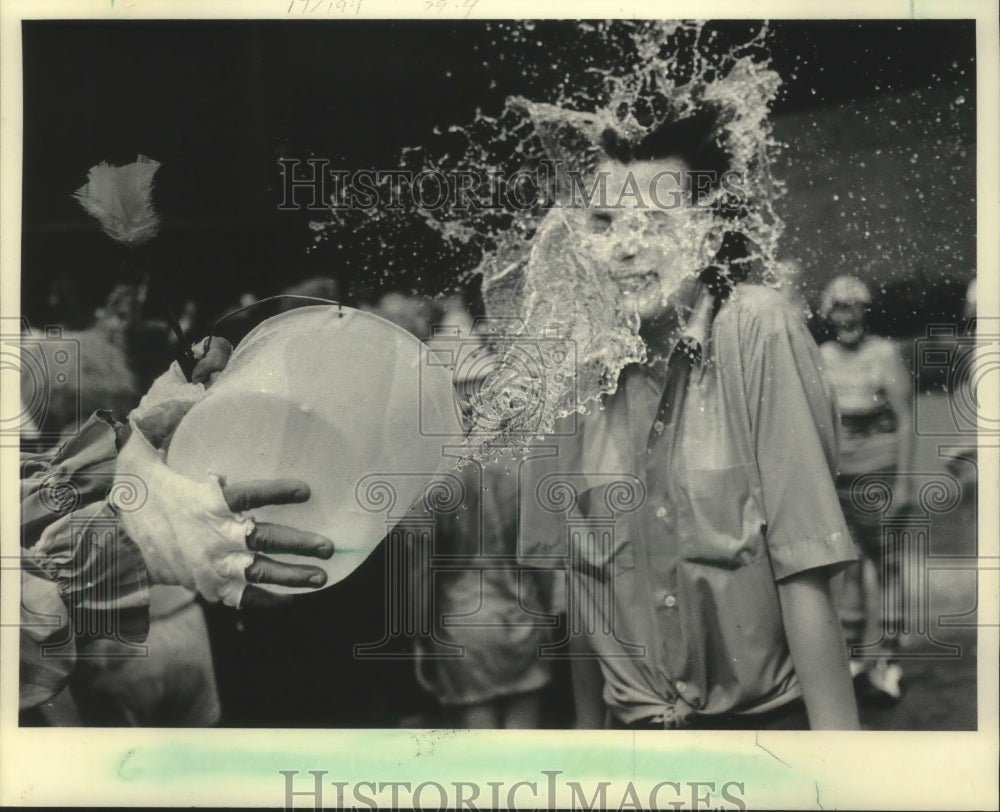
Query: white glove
[[184, 529]]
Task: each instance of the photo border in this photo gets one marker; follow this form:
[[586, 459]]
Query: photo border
[[234, 767]]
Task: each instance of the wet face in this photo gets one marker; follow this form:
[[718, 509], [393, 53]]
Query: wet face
[[647, 236]]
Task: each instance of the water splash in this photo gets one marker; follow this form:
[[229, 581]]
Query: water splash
[[565, 332]]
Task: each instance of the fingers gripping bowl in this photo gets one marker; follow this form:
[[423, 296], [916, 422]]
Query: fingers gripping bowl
[[335, 397]]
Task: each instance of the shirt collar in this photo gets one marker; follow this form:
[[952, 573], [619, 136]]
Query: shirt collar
[[694, 337]]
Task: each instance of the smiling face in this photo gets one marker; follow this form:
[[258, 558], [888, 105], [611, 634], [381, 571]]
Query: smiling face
[[647, 236], [848, 322]]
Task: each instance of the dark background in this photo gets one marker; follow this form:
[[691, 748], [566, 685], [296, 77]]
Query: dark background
[[219, 102]]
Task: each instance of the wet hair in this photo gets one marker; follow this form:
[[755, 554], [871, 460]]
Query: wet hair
[[730, 266], [694, 139]]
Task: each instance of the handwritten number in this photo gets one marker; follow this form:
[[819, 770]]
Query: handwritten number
[[316, 7]]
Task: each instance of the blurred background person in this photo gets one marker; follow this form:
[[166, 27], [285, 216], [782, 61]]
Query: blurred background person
[[874, 391], [491, 609], [498, 679], [790, 285], [415, 314], [969, 308], [105, 377], [236, 320], [315, 287], [963, 461]]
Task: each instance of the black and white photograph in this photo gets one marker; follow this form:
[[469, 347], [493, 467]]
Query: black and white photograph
[[462, 411]]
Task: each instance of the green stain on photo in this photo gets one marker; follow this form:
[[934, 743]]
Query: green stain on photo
[[448, 756]]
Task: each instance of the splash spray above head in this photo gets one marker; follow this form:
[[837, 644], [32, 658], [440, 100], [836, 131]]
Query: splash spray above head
[[658, 219], [643, 105]]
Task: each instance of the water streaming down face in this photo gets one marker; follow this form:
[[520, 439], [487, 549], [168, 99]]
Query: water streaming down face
[[566, 296]]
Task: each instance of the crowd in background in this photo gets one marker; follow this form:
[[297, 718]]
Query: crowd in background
[[499, 681]]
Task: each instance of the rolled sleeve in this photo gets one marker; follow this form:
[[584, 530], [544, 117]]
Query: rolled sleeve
[[77, 473], [794, 423], [99, 572], [72, 538]]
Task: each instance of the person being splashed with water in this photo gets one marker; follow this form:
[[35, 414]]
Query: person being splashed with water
[[708, 606]]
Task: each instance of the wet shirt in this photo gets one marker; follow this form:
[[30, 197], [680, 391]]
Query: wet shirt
[[682, 519]]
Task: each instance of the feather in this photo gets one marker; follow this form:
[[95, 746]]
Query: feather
[[121, 198]]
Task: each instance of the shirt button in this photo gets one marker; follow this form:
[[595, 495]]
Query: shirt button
[[658, 426], [681, 687], [670, 601], [661, 512]]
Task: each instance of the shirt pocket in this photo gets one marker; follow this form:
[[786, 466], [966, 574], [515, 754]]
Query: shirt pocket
[[719, 518], [600, 555], [600, 545]]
